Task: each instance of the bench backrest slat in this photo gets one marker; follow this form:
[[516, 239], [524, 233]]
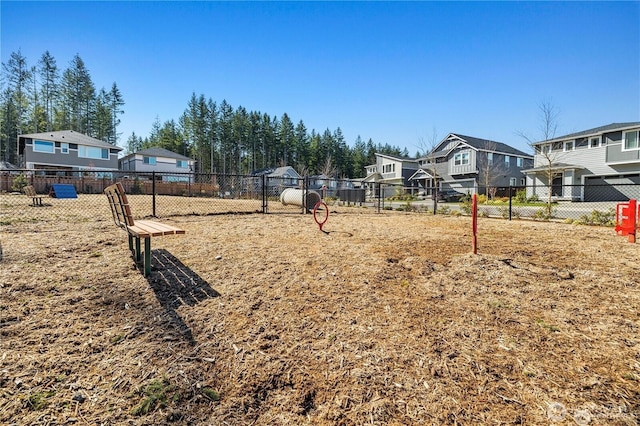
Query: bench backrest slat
[[119, 205], [30, 191]]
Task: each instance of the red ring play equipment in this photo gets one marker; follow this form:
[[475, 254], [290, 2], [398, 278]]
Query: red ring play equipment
[[326, 213]]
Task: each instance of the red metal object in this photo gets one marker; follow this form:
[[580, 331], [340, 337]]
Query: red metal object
[[474, 222], [321, 221], [627, 219]]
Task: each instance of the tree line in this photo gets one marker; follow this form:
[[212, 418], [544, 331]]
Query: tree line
[[220, 137], [42, 97]]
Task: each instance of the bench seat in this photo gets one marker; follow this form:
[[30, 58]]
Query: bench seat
[[139, 229], [36, 199]]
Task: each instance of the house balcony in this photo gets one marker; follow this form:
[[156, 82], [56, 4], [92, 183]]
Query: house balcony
[[465, 169]]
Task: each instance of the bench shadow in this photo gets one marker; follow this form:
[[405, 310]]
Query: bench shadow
[[174, 284]]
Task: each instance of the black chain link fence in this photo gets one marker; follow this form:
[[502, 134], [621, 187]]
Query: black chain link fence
[[164, 195]]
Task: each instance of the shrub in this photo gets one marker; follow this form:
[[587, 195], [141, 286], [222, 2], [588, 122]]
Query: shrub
[[504, 212], [598, 218], [521, 196], [545, 213], [446, 210], [19, 182]]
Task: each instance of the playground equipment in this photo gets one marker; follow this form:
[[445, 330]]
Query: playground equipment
[[474, 222], [297, 197], [321, 205], [627, 219], [60, 190]]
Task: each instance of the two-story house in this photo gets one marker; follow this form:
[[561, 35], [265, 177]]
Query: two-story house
[[171, 167], [66, 151], [468, 164], [391, 171], [599, 164]]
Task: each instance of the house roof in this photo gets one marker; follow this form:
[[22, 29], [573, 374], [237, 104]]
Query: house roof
[[485, 144], [70, 136], [595, 131], [420, 174], [373, 177], [396, 157], [283, 171], [5, 165], [556, 166], [478, 144], [161, 152]]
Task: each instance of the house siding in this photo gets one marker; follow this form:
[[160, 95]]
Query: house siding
[[71, 159], [598, 168], [163, 165]]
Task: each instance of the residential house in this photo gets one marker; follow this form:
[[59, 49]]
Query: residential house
[[169, 166], [468, 165], [277, 179], [599, 164], [66, 151], [392, 172]]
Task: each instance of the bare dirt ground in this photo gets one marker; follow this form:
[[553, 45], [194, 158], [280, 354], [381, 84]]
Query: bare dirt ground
[[266, 320]]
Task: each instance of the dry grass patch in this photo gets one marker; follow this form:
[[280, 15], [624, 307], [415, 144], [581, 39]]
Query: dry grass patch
[[385, 319]]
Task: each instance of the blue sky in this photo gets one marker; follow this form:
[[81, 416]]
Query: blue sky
[[390, 71]]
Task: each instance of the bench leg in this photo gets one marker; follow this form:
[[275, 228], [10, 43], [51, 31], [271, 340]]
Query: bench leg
[[133, 252], [147, 256], [137, 251]]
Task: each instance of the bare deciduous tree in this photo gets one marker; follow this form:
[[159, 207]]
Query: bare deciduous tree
[[329, 169], [426, 148], [489, 170], [548, 125]]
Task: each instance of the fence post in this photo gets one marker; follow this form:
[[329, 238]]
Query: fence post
[[510, 197], [153, 192], [264, 194]]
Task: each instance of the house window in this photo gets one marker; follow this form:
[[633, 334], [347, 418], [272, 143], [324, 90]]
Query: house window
[[523, 182], [149, 160], [631, 140], [557, 146], [507, 160], [519, 161], [581, 143], [43, 146], [461, 159], [513, 181], [389, 168], [93, 152], [594, 142], [181, 164], [64, 148], [490, 158], [568, 146]]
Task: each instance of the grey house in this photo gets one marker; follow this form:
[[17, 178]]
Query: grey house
[[66, 151], [161, 161], [591, 165], [470, 164], [391, 171]]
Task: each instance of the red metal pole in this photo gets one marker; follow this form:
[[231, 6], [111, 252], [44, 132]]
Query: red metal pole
[[633, 217], [474, 221]]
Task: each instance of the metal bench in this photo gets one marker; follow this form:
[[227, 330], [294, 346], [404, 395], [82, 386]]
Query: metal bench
[[36, 199], [136, 230]]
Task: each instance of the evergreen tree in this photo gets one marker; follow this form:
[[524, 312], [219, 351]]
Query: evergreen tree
[[286, 140], [116, 104], [102, 123], [17, 75], [49, 76], [134, 144]]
